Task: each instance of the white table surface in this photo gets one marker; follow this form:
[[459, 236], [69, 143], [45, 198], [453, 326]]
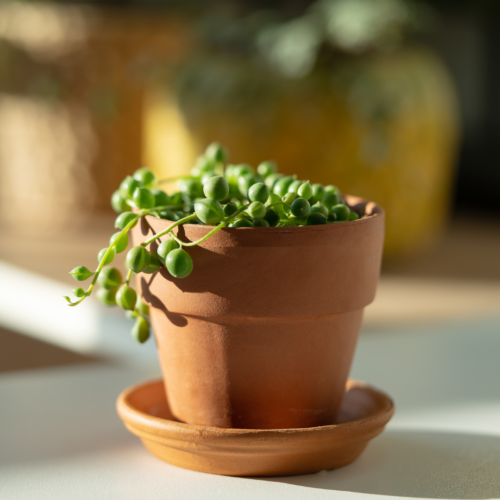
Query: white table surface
[[60, 437]]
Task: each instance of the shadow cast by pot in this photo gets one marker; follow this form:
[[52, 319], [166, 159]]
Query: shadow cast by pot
[[418, 464]]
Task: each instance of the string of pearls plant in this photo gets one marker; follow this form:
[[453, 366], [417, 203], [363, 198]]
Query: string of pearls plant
[[215, 194]]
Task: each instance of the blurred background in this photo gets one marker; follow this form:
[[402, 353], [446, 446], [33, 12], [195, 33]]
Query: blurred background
[[393, 100]]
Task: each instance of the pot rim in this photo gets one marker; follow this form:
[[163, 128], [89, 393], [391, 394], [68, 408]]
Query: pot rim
[[375, 212]]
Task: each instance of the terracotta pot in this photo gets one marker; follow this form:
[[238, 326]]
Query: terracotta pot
[[261, 335]]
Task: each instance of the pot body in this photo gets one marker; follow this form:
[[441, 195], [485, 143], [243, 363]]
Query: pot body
[[262, 333]]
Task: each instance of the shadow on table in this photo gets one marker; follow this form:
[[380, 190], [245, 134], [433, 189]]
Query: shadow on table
[[418, 464]]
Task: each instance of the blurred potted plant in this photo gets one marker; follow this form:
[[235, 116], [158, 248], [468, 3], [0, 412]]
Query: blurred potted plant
[[262, 331], [344, 92]]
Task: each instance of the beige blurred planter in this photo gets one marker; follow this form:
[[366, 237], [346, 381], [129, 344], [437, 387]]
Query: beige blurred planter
[[262, 334], [71, 106]]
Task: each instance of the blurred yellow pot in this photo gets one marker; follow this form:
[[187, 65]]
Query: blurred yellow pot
[[384, 127]]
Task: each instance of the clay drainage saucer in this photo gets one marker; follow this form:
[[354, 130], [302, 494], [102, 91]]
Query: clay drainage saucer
[[252, 452]]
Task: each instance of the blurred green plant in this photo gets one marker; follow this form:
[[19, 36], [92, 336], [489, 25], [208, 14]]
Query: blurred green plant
[[350, 26]]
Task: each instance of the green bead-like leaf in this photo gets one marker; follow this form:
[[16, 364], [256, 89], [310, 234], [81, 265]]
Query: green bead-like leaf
[[126, 297], [281, 187], [272, 217], [128, 186], [179, 263], [154, 264], [167, 215], [319, 207], [274, 198], [242, 169], [143, 198], [332, 189], [258, 192], [341, 211], [209, 211], [107, 297], [260, 223], [230, 209], [141, 307], [109, 258], [272, 179], [267, 168], [119, 202], [121, 244], [193, 188], [300, 208], [145, 177], [241, 223], [216, 187], [216, 152], [318, 193], [294, 186], [78, 292], [165, 248], [256, 210], [138, 259], [330, 200], [81, 273], [109, 278], [245, 182], [161, 198], [289, 198], [316, 219], [140, 330], [203, 165], [305, 190], [124, 219]]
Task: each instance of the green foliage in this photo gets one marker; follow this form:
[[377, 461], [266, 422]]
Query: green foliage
[[267, 168], [107, 297], [81, 273], [234, 197], [258, 192], [145, 177], [319, 207], [143, 198], [125, 218], [341, 211], [121, 241], [138, 259], [300, 207], [179, 263], [109, 278], [119, 202], [109, 257], [305, 190], [165, 248], [216, 187], [126, 297], [209, 211], [140, 330]]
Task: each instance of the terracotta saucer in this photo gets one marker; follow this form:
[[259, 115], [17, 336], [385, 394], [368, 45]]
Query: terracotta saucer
[[251, 452]]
